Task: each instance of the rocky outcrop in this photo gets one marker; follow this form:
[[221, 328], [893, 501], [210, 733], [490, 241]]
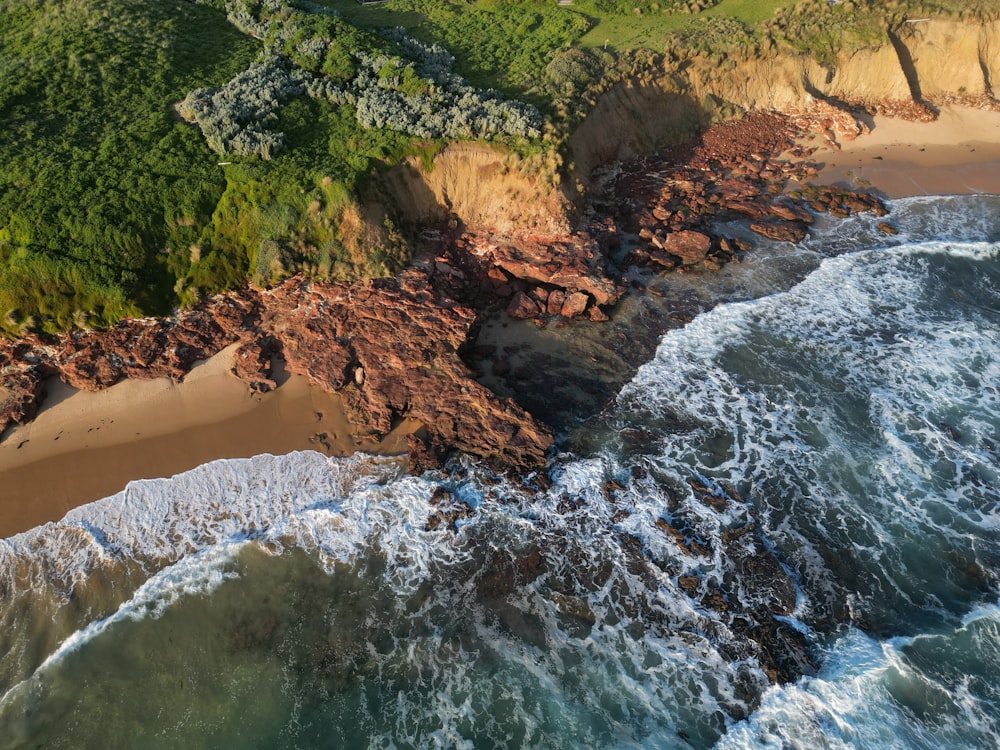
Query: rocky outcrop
[[22, 391], [388, 346], [531, 276], [137, 348], [151, 347], [737, 170]]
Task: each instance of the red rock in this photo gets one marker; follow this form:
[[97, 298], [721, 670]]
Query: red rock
[[575, 304], [555, 302], [522, 307], [788, 231], [690, 246], [662, 260], [569, 263], [21, 393], [252, 364], [790, 212], [389, 346], [596, 314], [406, 340], [497, 276]]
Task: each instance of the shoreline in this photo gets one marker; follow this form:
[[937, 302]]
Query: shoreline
[[85, 446], [957, 154]]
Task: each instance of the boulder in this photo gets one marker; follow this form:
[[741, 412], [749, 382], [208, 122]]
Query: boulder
[[575, 304], [690, 246], [523, 307], [787, 231]]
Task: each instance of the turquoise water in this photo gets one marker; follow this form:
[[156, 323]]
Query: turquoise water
[[820, 463]]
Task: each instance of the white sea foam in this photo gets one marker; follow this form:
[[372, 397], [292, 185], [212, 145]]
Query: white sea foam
[[873, 694], [184, 529], [840, 405], [958, 219], [190, 528]]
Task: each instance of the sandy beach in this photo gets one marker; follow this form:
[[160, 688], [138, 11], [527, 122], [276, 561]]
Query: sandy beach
[[85, 446], [958, 154]]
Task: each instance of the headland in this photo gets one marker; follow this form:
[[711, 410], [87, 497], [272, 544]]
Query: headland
[[661, 155]]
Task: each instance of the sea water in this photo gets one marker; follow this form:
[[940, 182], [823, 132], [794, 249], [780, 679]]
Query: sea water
[[849, 414]]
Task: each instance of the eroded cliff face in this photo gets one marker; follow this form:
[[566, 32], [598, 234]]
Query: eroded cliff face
[[917, 61], [779, 83], [481, 186], [929, 61], [949, 57], [491, 191], [633, 118], [989, 60], [864, 75]]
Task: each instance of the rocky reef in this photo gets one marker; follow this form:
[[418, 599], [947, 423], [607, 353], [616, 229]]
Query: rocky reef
[[739, 169]]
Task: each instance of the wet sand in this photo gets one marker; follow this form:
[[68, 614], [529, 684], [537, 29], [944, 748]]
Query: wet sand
[[85, 446], [958, 154]]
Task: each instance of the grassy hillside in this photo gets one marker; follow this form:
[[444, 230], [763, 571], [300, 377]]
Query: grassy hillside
[[97, 176], [153, 152]]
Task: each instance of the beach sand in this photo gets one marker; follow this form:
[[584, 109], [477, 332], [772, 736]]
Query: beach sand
[[84, 446], [958, 154]]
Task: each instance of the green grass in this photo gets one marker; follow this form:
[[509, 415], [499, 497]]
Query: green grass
[[749, 11], [111, 206], [632, 32], [97, 176], [648, 31], [497, 44]]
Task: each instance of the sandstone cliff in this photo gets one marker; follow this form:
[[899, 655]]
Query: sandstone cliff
[[488, 190], [633, 118], [951, 57], [482, 187], [931, 61]]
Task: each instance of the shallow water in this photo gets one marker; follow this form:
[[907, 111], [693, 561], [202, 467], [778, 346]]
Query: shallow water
[[819, 465]]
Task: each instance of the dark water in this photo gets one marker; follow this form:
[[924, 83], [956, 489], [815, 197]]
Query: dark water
[[819, 463]]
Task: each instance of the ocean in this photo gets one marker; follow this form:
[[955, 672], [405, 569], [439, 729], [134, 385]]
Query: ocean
[[786, 535]]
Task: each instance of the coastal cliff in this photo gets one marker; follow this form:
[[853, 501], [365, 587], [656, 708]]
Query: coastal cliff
[[480, 186], [513, 239], [917, 65]]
